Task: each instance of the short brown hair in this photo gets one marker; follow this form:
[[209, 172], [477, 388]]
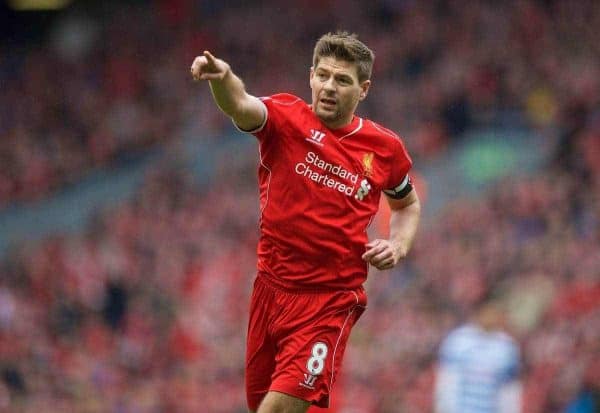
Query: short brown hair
[[345, 46]]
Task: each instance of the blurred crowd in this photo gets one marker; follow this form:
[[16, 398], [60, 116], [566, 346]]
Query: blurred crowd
[[97, 89], [145, 311]]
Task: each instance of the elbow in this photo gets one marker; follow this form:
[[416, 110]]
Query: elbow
[[415, 204], [410, 203]]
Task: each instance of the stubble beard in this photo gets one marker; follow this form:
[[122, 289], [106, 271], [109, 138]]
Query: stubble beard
[[327, 115]]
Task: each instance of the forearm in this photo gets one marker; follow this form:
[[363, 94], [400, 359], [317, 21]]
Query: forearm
[[404, 220], [229, 93], [403, 226]]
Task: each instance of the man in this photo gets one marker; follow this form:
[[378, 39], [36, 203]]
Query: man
[[322, 170], [479, 367]]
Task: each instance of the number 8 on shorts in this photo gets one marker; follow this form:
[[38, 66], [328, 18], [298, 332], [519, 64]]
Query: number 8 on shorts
[[316, 363]]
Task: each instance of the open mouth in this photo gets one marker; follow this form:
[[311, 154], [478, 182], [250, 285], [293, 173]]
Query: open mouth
[[328, 101]]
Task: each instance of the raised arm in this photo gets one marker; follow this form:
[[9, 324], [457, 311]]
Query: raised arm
[[247, 111]]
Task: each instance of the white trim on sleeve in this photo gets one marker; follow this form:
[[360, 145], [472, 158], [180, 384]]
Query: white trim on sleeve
[[262, 125]]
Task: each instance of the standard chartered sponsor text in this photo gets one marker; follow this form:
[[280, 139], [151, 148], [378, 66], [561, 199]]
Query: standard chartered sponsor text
[[305, 169]]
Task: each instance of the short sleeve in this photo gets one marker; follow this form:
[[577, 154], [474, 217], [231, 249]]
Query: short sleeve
[[279, 108], [259, 128], [400, 166]]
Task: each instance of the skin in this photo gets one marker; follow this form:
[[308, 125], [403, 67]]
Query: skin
[[384, 254], [275, 402], [336, 93]]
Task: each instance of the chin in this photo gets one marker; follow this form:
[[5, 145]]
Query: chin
[[328, 116]]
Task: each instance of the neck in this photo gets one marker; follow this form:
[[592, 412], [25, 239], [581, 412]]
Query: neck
[[337, 124]]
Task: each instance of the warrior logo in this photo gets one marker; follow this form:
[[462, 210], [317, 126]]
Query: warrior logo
[[309, 381], [316, 137]]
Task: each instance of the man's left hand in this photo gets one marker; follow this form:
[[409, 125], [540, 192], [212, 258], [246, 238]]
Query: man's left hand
[[382, 254]]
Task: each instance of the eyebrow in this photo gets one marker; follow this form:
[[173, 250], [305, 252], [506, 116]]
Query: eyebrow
[[338, 75]]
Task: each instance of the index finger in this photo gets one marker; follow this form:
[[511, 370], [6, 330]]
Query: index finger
[[371, 252], [211, 59], [372, 243]]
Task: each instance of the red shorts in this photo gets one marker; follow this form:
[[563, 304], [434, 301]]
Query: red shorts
[[296, 340]]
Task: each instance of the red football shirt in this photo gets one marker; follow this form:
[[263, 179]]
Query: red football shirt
[[319, 191]]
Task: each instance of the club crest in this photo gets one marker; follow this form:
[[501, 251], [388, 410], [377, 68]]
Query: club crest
[[368, 164]]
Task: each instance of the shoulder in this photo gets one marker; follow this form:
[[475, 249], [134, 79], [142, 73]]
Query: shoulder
[[507, 342], [283, 99], [282, 110], [385, 138], [459, 337], [382, 131], [463, 332], [452, 348]]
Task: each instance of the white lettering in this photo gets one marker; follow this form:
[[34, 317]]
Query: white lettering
[[329, 181], [363, 191], [325, 180], [338, 170], [316, 135]]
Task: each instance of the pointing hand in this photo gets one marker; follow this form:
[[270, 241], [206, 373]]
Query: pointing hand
[[208, 67]]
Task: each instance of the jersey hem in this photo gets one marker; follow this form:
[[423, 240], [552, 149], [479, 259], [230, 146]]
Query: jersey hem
[[287, 287], [322, 402]]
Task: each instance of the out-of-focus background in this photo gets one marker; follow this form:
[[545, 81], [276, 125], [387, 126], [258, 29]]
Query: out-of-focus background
[[128, 203]]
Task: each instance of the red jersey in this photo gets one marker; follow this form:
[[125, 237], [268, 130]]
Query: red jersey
[[319, 191]]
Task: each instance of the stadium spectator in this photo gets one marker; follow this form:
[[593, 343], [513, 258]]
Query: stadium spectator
[[99, 100], [479, 366], [177, 343], [587, 400]]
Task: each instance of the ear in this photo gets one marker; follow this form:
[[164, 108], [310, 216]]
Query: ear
[[364, 86]]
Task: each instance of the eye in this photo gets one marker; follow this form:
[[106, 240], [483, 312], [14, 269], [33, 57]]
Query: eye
[[321, 76]]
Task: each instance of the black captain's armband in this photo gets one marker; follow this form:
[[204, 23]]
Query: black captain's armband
[[401, 190]]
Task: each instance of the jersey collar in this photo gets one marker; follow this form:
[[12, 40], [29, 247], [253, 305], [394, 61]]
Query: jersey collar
[[350, 129]]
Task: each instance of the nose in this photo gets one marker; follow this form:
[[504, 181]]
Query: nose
[[329, 84]]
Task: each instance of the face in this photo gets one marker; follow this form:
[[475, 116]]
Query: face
[[336, 91]]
